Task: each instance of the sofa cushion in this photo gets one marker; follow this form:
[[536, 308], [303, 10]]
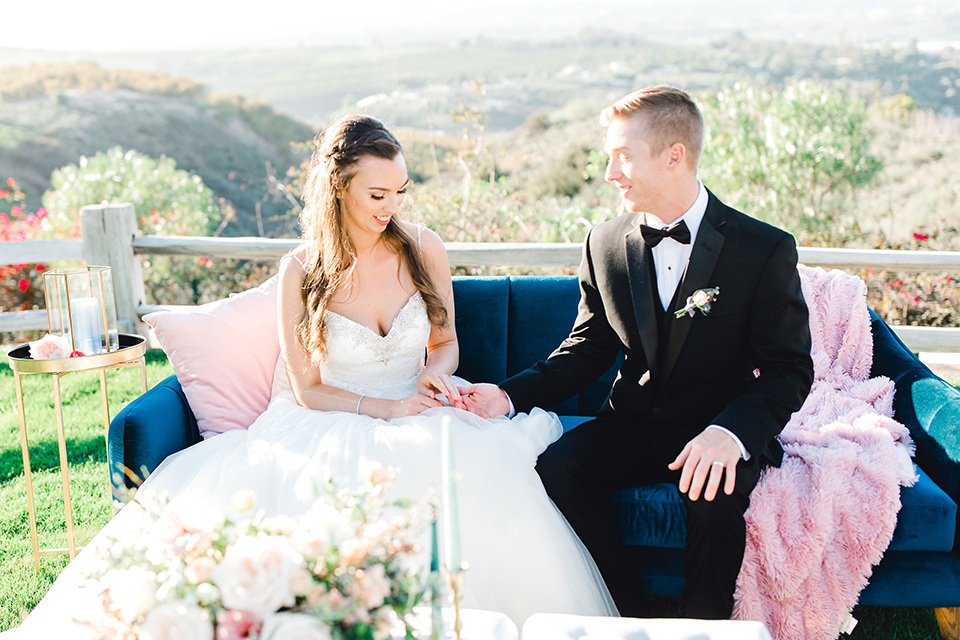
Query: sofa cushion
[[927, 517], [480, 306], [542, 312], [224, 354], [926, 405]]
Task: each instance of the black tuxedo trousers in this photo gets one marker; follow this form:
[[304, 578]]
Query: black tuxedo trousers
[[604, 455]]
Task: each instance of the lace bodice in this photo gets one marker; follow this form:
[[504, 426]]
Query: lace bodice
[[361, 360]]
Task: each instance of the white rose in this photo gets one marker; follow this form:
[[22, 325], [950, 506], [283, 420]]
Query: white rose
[[294, 626], [255, 572], [177, 621], [701, 297], [134, 590], [329, 523]]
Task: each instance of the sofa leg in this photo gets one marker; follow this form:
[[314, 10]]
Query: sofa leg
[[949, 620]]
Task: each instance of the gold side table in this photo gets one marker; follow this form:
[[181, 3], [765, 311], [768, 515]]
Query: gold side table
[[130, 354]]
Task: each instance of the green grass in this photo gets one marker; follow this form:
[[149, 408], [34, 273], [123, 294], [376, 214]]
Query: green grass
[[21, 587]]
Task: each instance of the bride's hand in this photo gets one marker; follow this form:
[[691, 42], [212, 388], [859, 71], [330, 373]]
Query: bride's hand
[[430, 383], [414, 405]]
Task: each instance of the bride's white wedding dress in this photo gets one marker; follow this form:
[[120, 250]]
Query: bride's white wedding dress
[[524, 557]]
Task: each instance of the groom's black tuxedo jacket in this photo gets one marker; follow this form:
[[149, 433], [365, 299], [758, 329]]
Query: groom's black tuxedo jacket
[[745, 366]]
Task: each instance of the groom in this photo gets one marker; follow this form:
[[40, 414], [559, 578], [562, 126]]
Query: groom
[[705, 303]]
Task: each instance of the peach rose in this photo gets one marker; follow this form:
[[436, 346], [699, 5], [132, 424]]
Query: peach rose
[[50, 347]]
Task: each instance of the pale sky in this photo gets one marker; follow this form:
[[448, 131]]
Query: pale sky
[[133, 25], [170, 25]]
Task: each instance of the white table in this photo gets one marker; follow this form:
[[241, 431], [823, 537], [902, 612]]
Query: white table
[[477, 624], [557, 626]]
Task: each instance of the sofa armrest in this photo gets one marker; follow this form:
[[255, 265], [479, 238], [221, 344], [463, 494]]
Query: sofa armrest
[[927, 405], [145, 432]]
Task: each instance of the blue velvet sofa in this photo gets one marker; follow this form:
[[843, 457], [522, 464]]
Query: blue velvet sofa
[[505, 324]]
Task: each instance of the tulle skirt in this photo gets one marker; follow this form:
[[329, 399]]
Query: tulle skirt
[[523, 556]]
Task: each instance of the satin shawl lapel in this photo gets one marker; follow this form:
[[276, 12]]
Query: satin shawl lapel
[[641, 287], [703, 258]]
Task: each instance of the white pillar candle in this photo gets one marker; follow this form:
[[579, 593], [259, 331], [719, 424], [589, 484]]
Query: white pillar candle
[[86, 325], [452, 560]]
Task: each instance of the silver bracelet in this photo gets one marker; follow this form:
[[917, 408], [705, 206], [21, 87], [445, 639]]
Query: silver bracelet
[[359, 400]]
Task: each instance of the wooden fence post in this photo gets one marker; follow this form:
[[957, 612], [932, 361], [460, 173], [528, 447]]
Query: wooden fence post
[[108, 232]]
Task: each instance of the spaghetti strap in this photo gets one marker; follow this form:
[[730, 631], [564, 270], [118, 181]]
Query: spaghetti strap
[[299, 261]]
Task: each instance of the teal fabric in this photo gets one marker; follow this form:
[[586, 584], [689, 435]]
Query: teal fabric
[[914, 579], [927, 518], [927, 406], [542, 312], [480, 307], [146, 431]]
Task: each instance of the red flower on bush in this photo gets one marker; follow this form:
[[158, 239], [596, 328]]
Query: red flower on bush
[[15, 211], [4, 193], [11, 183], [921, 236], [24, 284]]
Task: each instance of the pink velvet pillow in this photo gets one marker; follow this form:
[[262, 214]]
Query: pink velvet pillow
[[224, 354]]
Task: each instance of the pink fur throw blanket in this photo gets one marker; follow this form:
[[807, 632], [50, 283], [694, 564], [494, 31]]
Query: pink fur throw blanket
[[817, 524]]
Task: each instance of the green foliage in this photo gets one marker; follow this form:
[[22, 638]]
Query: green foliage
[[793, 157], [169, 201]]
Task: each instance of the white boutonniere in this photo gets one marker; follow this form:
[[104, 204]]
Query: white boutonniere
[[699, 301]]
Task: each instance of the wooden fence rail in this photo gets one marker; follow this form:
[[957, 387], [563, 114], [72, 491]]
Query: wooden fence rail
[[109, 238]]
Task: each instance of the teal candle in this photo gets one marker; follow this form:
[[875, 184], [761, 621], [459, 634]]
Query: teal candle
[[452, 560], [434, 553]]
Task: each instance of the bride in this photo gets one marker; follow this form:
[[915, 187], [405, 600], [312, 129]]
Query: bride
[[366, 321]]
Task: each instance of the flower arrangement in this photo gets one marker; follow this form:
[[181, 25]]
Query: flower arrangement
[[343, 570]]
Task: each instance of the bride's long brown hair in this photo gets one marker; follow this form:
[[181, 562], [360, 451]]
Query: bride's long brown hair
[[332, 255]]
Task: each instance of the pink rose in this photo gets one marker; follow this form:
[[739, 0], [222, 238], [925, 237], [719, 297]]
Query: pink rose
[[237, 625], [254, 574], [371, 587]]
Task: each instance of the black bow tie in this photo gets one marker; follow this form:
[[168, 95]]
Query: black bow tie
[[652, 236]]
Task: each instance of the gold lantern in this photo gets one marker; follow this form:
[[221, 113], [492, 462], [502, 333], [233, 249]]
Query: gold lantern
[[81, 308]]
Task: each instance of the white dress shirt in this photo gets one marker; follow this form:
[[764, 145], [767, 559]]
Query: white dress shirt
[[670, 259]]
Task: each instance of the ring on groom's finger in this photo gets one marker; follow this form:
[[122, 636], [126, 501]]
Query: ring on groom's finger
[[718, 462]]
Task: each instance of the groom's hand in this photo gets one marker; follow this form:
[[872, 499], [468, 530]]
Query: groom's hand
[[485, 399], [706, 459]]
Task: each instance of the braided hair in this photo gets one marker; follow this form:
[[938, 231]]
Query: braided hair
[[332, 254]]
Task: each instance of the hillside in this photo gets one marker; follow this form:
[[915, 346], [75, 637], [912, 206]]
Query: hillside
[[228, 142], [420, 86]]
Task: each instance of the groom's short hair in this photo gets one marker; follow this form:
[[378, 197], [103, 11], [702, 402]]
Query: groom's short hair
[[670, 116]]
